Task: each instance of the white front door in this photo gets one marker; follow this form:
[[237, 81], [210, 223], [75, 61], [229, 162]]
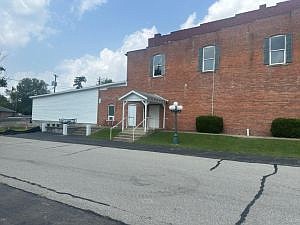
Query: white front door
[[132, 115], [154, 116]]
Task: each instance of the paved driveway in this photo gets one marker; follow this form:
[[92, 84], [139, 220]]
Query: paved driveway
[[140, 187]]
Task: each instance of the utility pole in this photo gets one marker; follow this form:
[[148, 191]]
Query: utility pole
[[99, 81], [54, 83]]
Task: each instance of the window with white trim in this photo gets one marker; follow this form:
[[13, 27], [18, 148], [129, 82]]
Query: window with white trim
[[111, 113], [277, 49], [158, 65], [208, 59]]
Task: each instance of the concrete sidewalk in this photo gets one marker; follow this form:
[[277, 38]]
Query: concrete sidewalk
[[162, 149]]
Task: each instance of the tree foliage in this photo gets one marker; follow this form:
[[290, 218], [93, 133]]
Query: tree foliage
[[4, 102], [78, 82], [20, 96], [3, 81]]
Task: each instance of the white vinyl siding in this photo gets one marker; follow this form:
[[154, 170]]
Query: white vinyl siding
[[80, 105]]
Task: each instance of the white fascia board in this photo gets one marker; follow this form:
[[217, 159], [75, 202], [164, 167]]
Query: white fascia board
[[133, 92], [117, 84]]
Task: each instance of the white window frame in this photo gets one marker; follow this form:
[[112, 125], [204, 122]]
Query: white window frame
[[283, 49], [206, 59], [111, 118], [153, 65]]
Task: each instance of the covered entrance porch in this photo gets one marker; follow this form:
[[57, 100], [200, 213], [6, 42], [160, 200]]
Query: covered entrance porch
[[140, 109]]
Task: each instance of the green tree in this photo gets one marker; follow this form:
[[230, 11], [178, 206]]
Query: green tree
[[12, 97], [27, 87], [4, 102], [3, 81], [78, 82]]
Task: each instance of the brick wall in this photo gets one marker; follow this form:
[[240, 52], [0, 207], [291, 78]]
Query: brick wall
[[248, 94]]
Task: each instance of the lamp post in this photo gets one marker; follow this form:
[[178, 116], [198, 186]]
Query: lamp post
[[175, 108]]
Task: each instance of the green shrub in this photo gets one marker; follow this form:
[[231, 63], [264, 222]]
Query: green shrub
[[286, 127], [209, 124]]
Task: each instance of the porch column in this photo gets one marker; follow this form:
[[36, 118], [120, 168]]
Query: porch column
[[123, 109], [143, 116], [146, 107], [164, 119]]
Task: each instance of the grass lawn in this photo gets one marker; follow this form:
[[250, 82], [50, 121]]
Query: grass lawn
[[104, 133], [239, 145], [13, 128]]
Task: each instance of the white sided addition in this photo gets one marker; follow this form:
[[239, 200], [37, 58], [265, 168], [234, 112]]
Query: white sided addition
[[80, 104]]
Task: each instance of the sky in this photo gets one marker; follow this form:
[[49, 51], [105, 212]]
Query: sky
[[90, 38]]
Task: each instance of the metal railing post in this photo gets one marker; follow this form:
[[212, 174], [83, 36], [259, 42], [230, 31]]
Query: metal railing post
[[110, 131], [137, 127]]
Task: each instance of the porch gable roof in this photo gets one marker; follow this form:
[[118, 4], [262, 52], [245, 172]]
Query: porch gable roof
[[142, 96]]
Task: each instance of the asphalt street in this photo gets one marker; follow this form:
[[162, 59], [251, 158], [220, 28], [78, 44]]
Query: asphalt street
[[139, 187], [20, 207]]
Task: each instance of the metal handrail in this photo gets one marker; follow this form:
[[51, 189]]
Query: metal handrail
[[138, 126], [110, 131]]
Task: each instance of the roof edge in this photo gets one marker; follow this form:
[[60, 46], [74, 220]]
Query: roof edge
[[108, 85], [213, 26]]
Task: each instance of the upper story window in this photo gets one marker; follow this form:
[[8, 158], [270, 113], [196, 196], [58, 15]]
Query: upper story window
[[209, 57], [111, 113], [278, 49], [158, 65]]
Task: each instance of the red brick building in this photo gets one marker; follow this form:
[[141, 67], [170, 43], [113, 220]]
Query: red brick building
[[245, 69]]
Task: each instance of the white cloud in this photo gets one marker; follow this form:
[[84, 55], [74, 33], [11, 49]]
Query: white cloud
[[22, 20], [109, 63], [191, 21], [226, 8], [82, 6]]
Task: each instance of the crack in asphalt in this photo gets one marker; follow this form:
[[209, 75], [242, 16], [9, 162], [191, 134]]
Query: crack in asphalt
[[19, 143], [256, 197], [218, 164], [53, 190], [78, 197], [85, 150], [54, 147]]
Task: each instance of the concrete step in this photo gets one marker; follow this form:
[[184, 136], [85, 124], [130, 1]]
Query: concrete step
[[127, 134], [137, 131], [124, 139], [130, 133], [124, 136]]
